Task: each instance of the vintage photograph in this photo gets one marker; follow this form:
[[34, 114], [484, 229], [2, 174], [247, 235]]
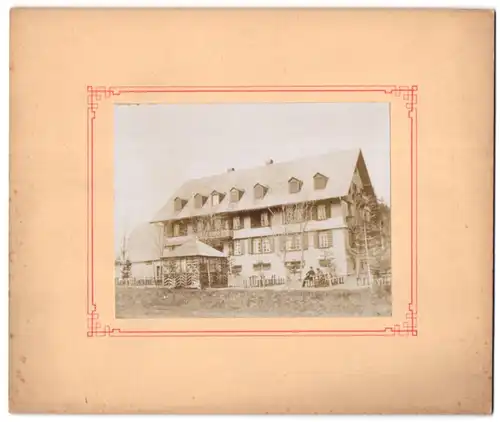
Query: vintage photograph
[[252, 210]]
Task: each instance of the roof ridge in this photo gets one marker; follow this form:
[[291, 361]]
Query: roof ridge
[[278, 163]]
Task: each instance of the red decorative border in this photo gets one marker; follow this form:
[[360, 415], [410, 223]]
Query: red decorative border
[[408, 94]]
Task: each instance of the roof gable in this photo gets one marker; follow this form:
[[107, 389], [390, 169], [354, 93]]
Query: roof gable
[[259, 191], [294, 185], [319, 175], [320, 181]]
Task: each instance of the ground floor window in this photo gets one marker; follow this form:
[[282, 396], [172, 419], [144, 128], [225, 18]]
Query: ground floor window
[[237, 247], [325, 263], [294, 266], [236, 269], [325, 239], [262, 266]]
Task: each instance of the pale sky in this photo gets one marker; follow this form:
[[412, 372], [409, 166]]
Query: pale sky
[[159, 147]]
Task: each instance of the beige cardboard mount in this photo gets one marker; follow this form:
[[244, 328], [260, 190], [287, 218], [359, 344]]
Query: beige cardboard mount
[[68, 353]]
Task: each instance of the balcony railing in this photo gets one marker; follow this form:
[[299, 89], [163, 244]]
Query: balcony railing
[[216, 234]]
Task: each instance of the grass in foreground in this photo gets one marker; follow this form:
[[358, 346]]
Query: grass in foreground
[[133, 302]]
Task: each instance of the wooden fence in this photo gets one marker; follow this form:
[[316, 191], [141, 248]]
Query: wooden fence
[[324, 280], [263, 281], [139, 281]]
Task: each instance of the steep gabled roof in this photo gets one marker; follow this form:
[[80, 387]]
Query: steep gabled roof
[[338, 166], [144, 243]]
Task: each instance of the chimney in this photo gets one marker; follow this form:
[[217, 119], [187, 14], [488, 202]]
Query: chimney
[[269, 162], [230, 169]]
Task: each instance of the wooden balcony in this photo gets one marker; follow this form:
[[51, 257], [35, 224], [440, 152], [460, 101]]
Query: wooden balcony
[[216, 234]]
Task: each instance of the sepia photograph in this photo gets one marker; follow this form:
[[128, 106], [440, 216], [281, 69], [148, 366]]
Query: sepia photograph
[[252, 210]]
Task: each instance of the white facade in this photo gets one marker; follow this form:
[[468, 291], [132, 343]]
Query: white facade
[[146, 269], [270, 250]]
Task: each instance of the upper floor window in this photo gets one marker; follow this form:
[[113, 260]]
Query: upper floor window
[[264, 219], [235, 195], [322, 212], [297, 213], [216, 198], [217, 224], [259, 219], [294, 185], [320, 181], [179, 203], [237, 222], [256, 246], [199, 200], [180, 229], [262, 245], [293, 242], [266, 245], [259, 191]]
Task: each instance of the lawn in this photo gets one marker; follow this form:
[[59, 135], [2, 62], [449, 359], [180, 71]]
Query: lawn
[[151, 302]]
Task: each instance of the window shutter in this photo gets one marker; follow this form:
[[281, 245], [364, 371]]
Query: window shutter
[[305, 241], [242, 247], [316, 239], [250, 246], [271, 243], [168, 230], [330, 238], [282, 240], [328, 207]]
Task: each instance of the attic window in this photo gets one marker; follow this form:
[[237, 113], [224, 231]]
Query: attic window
[[259, 191], [320, 181], [294, 185], [235, 195], [216, 198], [199, 200], [179, 203]]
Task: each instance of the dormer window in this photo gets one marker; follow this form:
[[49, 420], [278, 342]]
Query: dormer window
[[259, 191], [216, 198], [235, 195], [294, 185], [179, 204], [320, 181], [199, 200]]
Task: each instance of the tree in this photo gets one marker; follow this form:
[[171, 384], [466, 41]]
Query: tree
[[369, 232], [122, 257], [126, 271], [295, 218], [328, 262]]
